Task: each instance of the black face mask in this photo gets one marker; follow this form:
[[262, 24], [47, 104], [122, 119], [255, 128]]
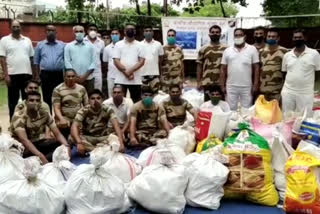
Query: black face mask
[[299, 43], [215, 38], [51, 36], [16, 31], [130, 33], [258, 39]]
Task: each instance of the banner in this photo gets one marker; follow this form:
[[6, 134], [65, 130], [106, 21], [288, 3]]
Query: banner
[[193, 32]]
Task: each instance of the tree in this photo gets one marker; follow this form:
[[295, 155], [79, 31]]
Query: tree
[[292, 7], [211, 10], [77, 5]]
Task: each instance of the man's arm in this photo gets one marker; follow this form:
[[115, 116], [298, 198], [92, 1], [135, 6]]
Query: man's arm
[[256, 70], [133, 129], [75, 132], [165, 124], [223, 77], [36, 61], [199, 75], [58, 135], [119, 65], [160, 64], [117, 129], [4, 67], [136, 67], [67, 57], [58, 115]]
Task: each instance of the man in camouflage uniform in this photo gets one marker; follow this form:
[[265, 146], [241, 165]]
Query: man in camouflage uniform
[[209, 61], [28, 126], [67, 99], [176, 108], [146, 120], [172, 65], [93, 121], [271, 77]]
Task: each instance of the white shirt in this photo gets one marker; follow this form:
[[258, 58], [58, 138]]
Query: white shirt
[[108, 57], [17, 53], [208, 106], [300, 71], [239, 65], [98, 45], [129, 54], [122, 111], [152, 50]]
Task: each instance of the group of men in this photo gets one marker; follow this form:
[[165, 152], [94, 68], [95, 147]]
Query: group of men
[[73, 75]]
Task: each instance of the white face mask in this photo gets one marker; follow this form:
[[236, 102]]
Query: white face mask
[[239, 41], [92, 34]]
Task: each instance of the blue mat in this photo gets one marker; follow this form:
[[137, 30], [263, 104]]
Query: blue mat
[[226, 207]]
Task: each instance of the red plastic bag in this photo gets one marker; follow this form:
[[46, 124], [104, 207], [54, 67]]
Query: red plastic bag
[[202, 125]]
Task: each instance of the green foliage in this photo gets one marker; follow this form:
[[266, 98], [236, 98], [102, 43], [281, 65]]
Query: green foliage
[[292, 7]]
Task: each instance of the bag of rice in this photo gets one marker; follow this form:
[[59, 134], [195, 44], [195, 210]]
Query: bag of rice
[[184, 137]]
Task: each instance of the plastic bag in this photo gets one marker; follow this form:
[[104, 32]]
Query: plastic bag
[[206, 179], [208, 143], [236, 117], [184, 137], [160, 187], [123, 166], [60, 170], [11, 163], [160, 97], [302, 177], [194, 97], [250, 167], [30, 195], [92, 189], [268, 111]]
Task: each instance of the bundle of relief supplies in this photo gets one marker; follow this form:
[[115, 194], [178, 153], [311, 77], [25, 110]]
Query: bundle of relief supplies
[[194, 97], [93, 189], [60, 170], [206, 179], [207, 143], [161, 186], [303, 180], [123, 166], [30, 194], [184, 137], [251, 175], [268, 112]]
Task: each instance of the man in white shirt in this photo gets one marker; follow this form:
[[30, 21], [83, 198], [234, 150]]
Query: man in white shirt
[[238, 63], [16, 52], [129, 57], [111, 69], [300, 65], [99, 46], [154, 54], [121, 107], [216, 100]]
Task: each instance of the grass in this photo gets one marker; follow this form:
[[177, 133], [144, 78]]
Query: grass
[[3, 94]]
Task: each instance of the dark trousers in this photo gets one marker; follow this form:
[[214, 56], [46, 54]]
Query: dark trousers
[[50, 80], [45, 146], [89, 85], [17, 85], [135, 92]]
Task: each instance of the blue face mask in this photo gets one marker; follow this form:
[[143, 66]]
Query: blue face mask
[[115, 38], [79, 37], [271, 41]]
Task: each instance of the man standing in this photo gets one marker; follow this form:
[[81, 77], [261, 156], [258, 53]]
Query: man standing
[[209, 61], [271, 77], [49, 63], [238, 63], [300, 65], [81, 57], [111, 71], [99, 46], [154, 55], [172, 65], [16, 54], [129, 57], [259, 37]]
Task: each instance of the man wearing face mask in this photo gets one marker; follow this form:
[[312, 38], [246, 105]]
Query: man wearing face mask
[[67, 99], [145, 118], [121, 107], [99, 46], [154, 55], [238, 65], [172, 64], [111, 70], [16, 52], [209, 61], [216, 100], [28, 126], [81, 56], [129, 57], [271, 77], [176, 107], [299, 65], [93, 121], [49, 63], [259, 37]]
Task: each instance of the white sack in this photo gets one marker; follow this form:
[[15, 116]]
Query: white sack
[[184, 137], [194, 97], [30, 195], [160, 97], [92, 189]]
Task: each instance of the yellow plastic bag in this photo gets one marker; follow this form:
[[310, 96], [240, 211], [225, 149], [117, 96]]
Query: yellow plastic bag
[[208, 143], [251, 175], [268, 111], [302, 191]]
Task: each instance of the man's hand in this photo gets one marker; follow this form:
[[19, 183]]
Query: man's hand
[[122, 148], [81, 149], [36, 77], [134, 142], [63, 123], [81, 79], [43, 159], [170, 125], [7, 79]]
